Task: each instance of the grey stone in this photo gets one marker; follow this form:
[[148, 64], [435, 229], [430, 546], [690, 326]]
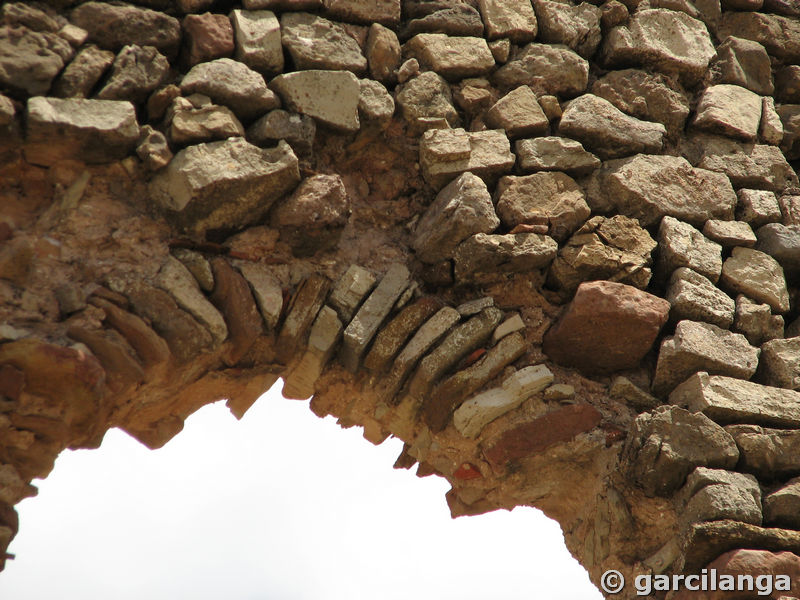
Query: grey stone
[[756, 275], [189, 124], [555, 154], [703, 477], [702, 347], [624, 390], [787, 84], [745, 63], [547, 69], [665, 446], [575, 26], [550, 199], [136, 72], [768, 453], [301, 312], [757, 207], [694, 297], [729, 110], [258, 40], [330, 97], [153, 149], [781, 242], [425, 97], [510, 325], [443, 155], [30, 60], [649, 187], [232, 84], [322, 339], [483, 257], [226, 184], [518, 113], [198, 266], [681, 245], [647, 96], [664, 40], [729, 233], [297, 130], [349, 290], [81, 75], [456, 20], [460, 210], [756, 321], [720, 502], [375, 103], [371, 315], [94, 131], [782, 507], [770, 131], [779, 35], [385, 12], [317, 43], [512, 19], [473, 307], [610, 133], [451, 57], [383, 53], [728, 400], [780, 363]]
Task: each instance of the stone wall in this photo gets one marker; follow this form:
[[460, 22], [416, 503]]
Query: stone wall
[[554, 248]]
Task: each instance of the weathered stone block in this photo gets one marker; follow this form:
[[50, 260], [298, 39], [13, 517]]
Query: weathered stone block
[[330, 97], [729, 233], [513, 19], [489, 155], [694, 297], [555, 154], [729, 110], [681, 245], [303, 309], [780, 363], [482, 257], [317, 43], [451, 57], [745, 63], [547, 69], [349, 290], [577, 27], [518, 113], [782, 507], [258, 40], [756, 275], [325, 333]]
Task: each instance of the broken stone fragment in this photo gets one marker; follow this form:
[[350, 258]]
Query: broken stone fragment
[[694, 297], [312, 219], [729, 233], [716, 494], [375, 104], [756, 321], [201, 122], [227, 184], [756, 275], [781, 242], [317, 43], [325, 333], [681, 245], [198, 266], [81, 75], [330, 97], [383, 53], [624, 323], [135, 73], [512, 19], [266, 291], [768, 453], [298, 131], [555, 70], [518, 113], [780, 363], [745, 63], [258, 40], [385, 12], [153, 148], [303, 308], [349, 290], [207, 37], [451, 57], [770, 131], [577, 27], [729, 110], [782, 507], [461, 209], [778, 34], [510, 325], [702, 347], [424, 98], [555, 154], [30, 60], [94, 131], [454, 20], [445, 154], [482, 257], [625, 390], [757, 207], [123, 371]]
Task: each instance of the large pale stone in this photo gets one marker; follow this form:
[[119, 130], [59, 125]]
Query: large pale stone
[[723, 501], [350, 289], [778, 34], [547, 69], [445, 154], [757, 207], [745, 63], [518, 113], [756, 321], [780, 363], [266, 291], [729, 234], [258, 40], [483, 257], [648, 187], [330, 97], [768, 453], [553, 153], [385, 12], [781, 242], [512, 19], [426, 99], [782, 507], [30, 60], [756, 275], [383, 52], [550, 199], [451, 57], [770, 130], [317, 43], [729, 110], [204, 123], [81, 75], [681, 245], [702, 347], [661, 39], [694, 297], [575, 26], [462, 209], [94, 131], [607, 327], [227, 184], [610, 133], [137, 71], [322, 339]]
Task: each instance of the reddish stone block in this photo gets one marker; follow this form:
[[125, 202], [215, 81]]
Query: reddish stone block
[[207, 37], [466, 472], [12, 381]]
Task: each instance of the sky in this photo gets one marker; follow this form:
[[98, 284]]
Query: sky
[[281, 505]]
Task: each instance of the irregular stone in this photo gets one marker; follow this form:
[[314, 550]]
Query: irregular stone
[[371, 315], [153, 149], [602, 127], [136, 72], [729, 233], [451, 57], [551, 199], [385, 12], [294, 5], [649, 187], [94, 131], [477, 412], [693, 297], [473, 307], [460, 210], [443, 155], [703, 477], [30, 60], [647, 96], [233, 298], [613, 13], [375, 103], [383, 53], [426, 98], [258, 40], [448, 396], [483, 257], [756, 321], [780, 363], [301, 312], [176, 279], [607, 327], [768, 453], [555, 154], [31, 16], [779, 35], [193, 124], [575, 26], [613, 248], [512, 324], [160, 100], [518, 113], [757, 207], [532, 437], [737, 498], [330, 97], [770, 131], [317, 43], [70, 299], [123, 371], [513, 19], [311, 220], [349, 290], [625, 390], [455, 20], [198, 266], [392, 338], [664, 40], [790, 208], [667, 444], [408, 70], [82, 74], [555, 70], [266, 291], [728, 400], [729, 110], [461, 340], [207, 37], [782, 507], [744, 63], [325, 333], [787, 84], [112, 26], [232, 84], [781, 242], [297, 130], [681, 245], [551, 106], [756, 275], [227, 184]]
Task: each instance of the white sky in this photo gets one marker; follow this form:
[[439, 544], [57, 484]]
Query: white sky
[[278, 506]]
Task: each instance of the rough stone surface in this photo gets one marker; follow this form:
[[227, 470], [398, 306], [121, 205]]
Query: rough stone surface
[[235, 301], [514, 20], [757, 207], [385, 12], [782, 507], [330, 97], [483, 256], [266, 291], [694, 297], [153, 149], [781, 242], [554, 153], [298, 131], [770, 131], [729, 233], [729, 110], [756, 275], [607, 131], [451, 57], [135, 73], [723, 501], [547, 69], [425, 99], [445, 154], [756, 321], [195, 123], [317, 43], [681, 245], [383, 53], [745, 63], [84, 72], [780, 363], [258, 40], [375, 103], [322, 339], [349, 290], [607, 327], [207, 37], [301, 312], [768, 453], [577, 27], [518, 113], [778, 34], [30, 60]]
